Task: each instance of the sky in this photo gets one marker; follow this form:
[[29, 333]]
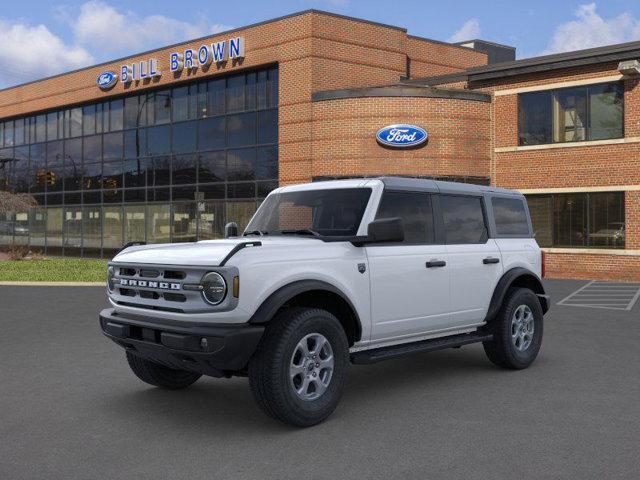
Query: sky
[[39, 38]]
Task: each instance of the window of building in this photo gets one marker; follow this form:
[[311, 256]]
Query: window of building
[[99, 167], [415, 211], [510, 215], [463, 219], [593, 112], [578, 220]]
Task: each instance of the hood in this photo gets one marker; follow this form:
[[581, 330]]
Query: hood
[[204, 253]]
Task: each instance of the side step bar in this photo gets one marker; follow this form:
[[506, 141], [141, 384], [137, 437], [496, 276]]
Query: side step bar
[[396, 351]]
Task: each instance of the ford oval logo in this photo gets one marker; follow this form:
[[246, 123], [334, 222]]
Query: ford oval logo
[[106, 80], [401, 136]]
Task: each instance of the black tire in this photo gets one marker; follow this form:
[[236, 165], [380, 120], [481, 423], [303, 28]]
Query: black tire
[[159, 375], [269, 369], [501, 350]]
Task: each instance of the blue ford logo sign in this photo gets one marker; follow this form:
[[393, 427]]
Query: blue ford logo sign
[[401, 136], [106, 80]]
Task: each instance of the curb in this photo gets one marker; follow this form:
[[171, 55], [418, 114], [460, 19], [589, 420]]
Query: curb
[[53, 284]]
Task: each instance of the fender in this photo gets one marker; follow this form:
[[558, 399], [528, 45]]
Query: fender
[[521, 277], [277, 299]]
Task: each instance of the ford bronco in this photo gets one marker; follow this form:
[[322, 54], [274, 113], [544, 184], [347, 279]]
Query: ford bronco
[[327, 274]]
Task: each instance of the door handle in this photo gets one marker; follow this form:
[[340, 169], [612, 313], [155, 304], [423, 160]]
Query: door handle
[[490, 260], [436, 263]]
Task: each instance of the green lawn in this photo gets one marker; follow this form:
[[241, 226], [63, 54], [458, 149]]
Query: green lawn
[[54, 270]]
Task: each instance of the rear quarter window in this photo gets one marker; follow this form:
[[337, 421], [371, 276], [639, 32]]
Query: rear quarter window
[[510, 215]]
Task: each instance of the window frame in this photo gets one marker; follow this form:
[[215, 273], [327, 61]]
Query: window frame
[[438, 238], [552, 92], [494, 224], [485, 218]]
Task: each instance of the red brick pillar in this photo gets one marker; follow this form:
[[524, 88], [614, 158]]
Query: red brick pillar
[[632, 219]]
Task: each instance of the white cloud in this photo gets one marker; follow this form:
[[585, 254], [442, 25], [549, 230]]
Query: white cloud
[[591, 30], [28, 52], [469, 31], [104, 29], [98, 33]]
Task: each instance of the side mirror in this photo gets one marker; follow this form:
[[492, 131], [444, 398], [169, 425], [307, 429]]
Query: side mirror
[[385, 230], [231, 230]]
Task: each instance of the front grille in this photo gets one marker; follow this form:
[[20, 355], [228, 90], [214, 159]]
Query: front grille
[[158, 288]]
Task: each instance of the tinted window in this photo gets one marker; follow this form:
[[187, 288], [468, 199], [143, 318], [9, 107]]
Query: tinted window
[[463, 219], [511, 216], [593, 112], [415, 211], [594, 220]]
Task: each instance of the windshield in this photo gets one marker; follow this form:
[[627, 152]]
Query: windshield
[[328, 212]]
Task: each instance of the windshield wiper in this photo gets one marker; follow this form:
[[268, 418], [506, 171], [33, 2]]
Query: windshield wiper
[[255, 232], [301, 231]]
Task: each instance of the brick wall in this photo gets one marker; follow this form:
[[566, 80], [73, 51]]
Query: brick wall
[[430, 58], [593, 266], [344, 137], [582, 167], [315, 51]]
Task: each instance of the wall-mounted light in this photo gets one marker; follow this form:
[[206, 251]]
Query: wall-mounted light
[[629, 67]]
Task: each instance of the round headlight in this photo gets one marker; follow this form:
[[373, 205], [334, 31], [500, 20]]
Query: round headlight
[[111, 272], [214, 288]]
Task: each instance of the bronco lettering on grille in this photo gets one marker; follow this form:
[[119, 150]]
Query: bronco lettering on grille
[[145, 283]]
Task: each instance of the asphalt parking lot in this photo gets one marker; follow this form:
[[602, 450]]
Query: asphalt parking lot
[[70, 408]]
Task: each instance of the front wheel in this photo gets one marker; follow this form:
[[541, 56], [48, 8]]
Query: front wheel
[[517, 330], [298, 372]]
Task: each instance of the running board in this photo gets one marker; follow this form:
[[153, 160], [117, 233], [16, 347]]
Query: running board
[[366, 357]]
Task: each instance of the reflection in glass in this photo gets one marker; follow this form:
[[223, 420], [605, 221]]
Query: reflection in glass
[[211, 221], [112, 228], [37, 227], [54, 231], [92, 230], [158, 223], [134, 223], [184, 222]]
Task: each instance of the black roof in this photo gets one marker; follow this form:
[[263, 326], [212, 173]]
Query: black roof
[[425, 184]]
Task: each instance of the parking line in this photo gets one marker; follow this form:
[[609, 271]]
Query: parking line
[[576, 292], [634, 300], [613, 296]]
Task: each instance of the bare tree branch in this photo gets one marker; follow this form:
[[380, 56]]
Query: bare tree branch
[[16, 202]]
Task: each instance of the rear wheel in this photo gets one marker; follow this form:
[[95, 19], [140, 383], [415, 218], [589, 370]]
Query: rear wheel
[[517, 330], [298, 372], [159, 375]]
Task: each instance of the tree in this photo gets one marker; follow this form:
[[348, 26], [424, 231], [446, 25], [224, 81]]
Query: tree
[[16, 202]]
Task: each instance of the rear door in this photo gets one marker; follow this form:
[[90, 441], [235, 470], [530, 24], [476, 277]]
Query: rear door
[[409, 280], [514, 233], [474, 258]]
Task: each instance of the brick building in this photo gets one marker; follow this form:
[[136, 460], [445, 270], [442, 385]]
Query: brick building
[[170, 144]]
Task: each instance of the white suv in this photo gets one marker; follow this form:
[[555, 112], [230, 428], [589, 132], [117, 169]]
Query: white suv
[[330, 273]]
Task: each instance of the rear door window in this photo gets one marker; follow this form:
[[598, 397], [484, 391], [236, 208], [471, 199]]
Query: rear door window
[[415, 211], [463, 219], [511, 216]]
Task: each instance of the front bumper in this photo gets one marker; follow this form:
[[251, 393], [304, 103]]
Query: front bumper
[[215, 350]]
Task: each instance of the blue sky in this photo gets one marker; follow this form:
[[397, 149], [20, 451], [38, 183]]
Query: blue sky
[[43, 37]]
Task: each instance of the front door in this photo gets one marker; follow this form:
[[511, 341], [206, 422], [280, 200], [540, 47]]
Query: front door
[[409, 280]]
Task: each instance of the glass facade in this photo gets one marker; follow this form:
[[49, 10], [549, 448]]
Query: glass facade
[[578, 220], [168, 165]]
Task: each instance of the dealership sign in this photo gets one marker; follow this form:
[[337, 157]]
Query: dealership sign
[[106, 80], [189, 59], [401, 136]]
